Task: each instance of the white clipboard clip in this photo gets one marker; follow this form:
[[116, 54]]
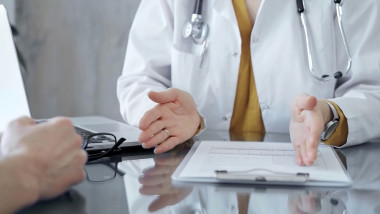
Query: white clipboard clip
[[268, 176]]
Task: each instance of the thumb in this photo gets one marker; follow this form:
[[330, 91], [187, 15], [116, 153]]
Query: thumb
[[300, 103], [166, 96], [24, 121], [305, 102]]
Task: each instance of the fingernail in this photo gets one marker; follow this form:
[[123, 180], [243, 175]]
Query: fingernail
[[311, 154], [143, 145], [299, 161]]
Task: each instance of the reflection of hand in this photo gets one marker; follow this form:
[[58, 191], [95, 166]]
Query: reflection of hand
[[172, 121], [157, 181], [308, 119], [304, 203]]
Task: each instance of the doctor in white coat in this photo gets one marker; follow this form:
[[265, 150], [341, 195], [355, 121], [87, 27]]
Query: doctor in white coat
[[195, 84]]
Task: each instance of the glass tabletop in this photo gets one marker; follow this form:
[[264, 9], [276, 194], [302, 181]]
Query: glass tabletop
[[140, 182]]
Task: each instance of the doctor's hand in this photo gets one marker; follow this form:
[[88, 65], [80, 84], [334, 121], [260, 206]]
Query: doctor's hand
[[308, 119], [172, 121]]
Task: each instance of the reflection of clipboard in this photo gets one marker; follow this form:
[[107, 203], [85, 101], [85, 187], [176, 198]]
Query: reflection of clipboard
[[258, 163], [270, 176]]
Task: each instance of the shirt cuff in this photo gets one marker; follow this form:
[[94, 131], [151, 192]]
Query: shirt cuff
[[201, 127], [339, 137]]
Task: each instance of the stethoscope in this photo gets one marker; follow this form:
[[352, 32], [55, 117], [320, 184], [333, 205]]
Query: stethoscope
[[338, 74], [197, 29]]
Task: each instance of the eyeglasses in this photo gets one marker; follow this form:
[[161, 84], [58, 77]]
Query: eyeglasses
[[101, 138], [103, 170]]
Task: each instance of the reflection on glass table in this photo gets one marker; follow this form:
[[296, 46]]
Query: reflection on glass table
[[312, 203], [148, 183], [139, 184], [150, 190], [70, 202], [103, 170]]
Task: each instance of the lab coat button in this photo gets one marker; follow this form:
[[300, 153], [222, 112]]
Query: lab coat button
[[265, 107], [255, 39], [225, 118], [235, 53]]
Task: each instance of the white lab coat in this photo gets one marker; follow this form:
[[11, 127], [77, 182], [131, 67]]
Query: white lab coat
[[158, 57]]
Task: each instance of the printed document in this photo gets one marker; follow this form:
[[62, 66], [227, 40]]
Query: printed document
[[257, 158]]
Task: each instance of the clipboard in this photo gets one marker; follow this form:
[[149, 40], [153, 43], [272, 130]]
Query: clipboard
[[198, 166]]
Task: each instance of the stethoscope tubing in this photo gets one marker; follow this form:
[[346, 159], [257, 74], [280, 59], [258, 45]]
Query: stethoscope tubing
[[198, 30], [338, 74]]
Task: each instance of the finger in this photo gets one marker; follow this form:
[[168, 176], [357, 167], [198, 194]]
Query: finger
[[160, 189], [311, 150], [60, 121], [157, 170], [298, 105], [153, 180], [305, 101], [155, 140], [305, 147], [308, 154], [153, 129], [82, 158], [163, 201], [168, 161], [150, 117], [303, 154], [63, 125], [22, 121], [64, 130], [79, 141], [312, 142], [298, 155], [169, 199], [169, 144], [310, 203], [60, 181], [169, 95], [75, 167]]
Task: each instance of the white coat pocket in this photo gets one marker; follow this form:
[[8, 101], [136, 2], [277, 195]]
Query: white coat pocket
[[189, 70]]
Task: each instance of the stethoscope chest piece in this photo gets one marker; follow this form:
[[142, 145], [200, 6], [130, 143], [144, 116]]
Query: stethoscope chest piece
[[196, 28]]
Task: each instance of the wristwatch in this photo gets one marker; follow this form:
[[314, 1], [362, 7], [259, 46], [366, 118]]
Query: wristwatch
[[331, 125]]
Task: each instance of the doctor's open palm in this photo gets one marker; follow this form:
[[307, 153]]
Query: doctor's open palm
[[172, 121], [308, 118]]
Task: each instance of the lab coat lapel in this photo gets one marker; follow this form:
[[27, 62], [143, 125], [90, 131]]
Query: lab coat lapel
[[226, 9]]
